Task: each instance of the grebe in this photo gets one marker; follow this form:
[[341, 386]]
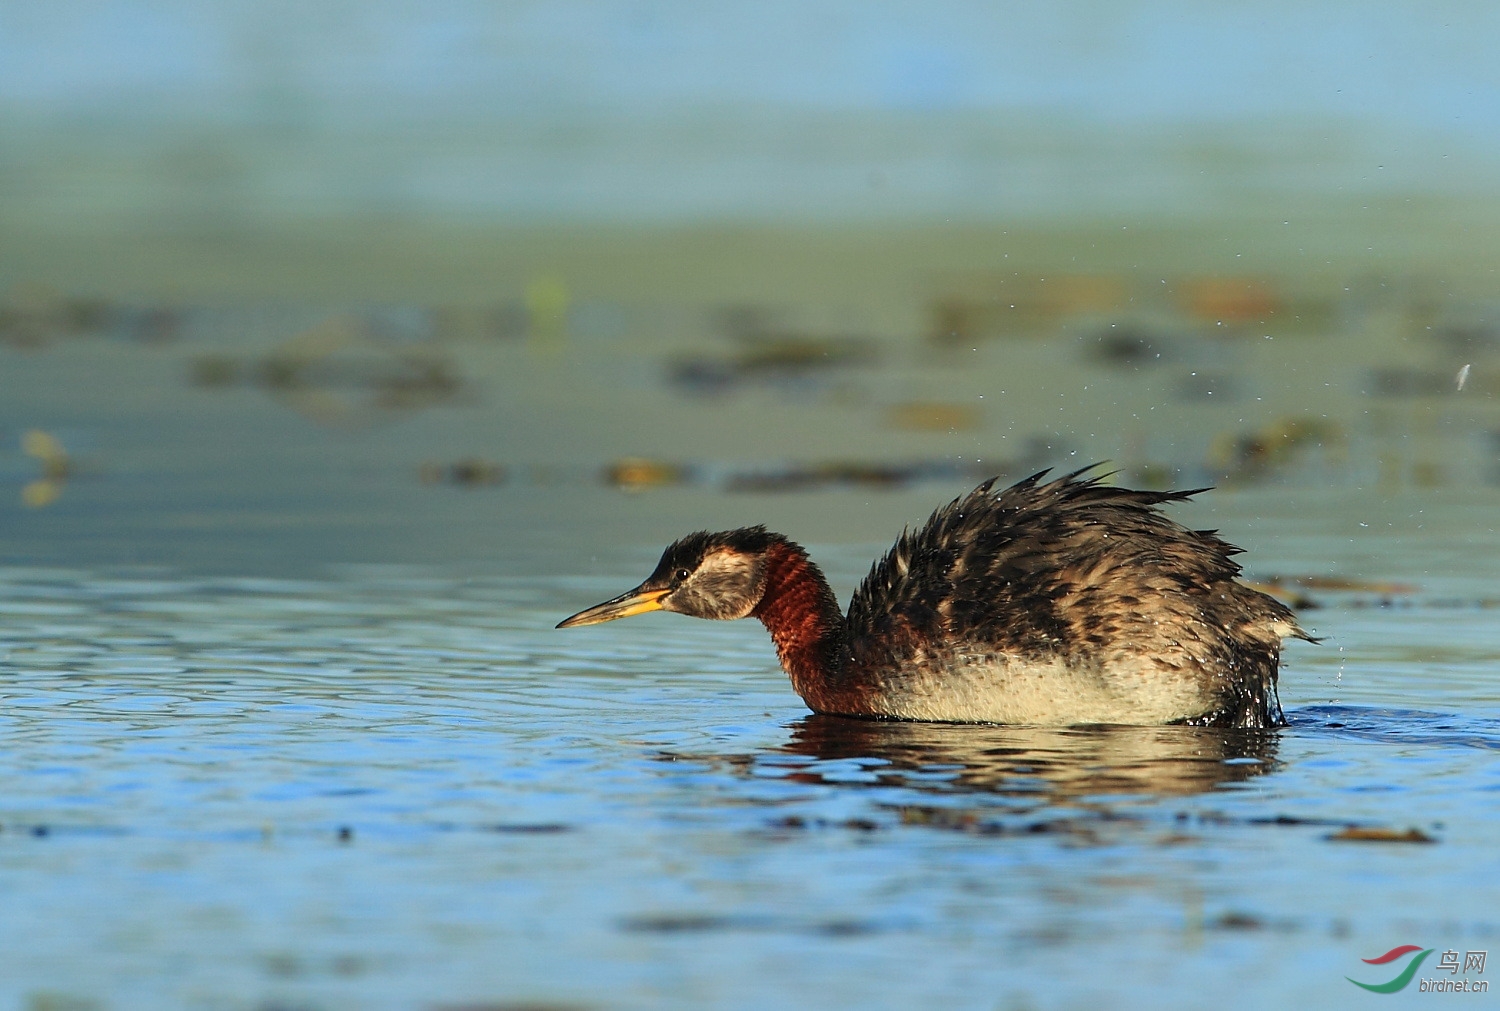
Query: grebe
[[1057, 603]]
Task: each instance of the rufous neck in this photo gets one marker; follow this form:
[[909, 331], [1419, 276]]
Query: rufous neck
[[803, 617]]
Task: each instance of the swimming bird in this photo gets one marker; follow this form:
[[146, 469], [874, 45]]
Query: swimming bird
[[1058, 602]]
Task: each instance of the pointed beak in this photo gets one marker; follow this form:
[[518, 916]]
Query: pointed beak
[[636, 601]]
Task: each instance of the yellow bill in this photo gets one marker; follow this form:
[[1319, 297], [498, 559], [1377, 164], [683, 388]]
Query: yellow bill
[[636, 601]]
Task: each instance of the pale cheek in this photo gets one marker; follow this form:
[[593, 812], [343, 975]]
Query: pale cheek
[[722, 605], [724, 588], [719, 599]]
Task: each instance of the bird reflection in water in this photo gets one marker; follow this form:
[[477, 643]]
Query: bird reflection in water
[[1048, 765]]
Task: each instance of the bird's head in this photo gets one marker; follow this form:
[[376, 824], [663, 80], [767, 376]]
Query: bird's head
[[720, 575]]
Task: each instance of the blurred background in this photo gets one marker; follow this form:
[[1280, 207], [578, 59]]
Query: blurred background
[[291, 283], [348, 345]]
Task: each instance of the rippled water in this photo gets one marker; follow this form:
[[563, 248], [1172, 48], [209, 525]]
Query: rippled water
[[401, 787], [244, 767]]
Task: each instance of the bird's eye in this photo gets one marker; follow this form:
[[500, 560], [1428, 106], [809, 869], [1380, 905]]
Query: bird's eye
[[682, 575]]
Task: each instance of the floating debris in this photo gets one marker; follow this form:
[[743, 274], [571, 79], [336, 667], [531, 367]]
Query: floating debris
[[1219, 818], [1127, 347], [1345, 584], [806, 477], [774, 358], [953, 819], [57, 466], [930, 416], [972, 822], [471, 472], [686, 923], [1228, 299], [1289, 595], [794, 353], [1249, 456], [701, 376], [1356, 834], [979, 308], [635, 474], [1292, 590], [957, 322], [547, 302], [1151, 474], [340, 373], [695, 923], [33, 315], [638, 474], [1017, 306], [795, 822]]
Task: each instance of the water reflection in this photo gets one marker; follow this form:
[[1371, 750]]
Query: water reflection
[[1052, 764]]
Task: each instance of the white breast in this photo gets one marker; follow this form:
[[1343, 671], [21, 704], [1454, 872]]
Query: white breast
[[985, 689]]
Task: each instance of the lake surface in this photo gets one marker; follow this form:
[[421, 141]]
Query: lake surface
[[286, 723]]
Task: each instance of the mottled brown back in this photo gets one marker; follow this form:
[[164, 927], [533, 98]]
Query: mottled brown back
[[1076, 569]]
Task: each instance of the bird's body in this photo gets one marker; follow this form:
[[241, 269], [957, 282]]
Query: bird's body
[[1063, 602]]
